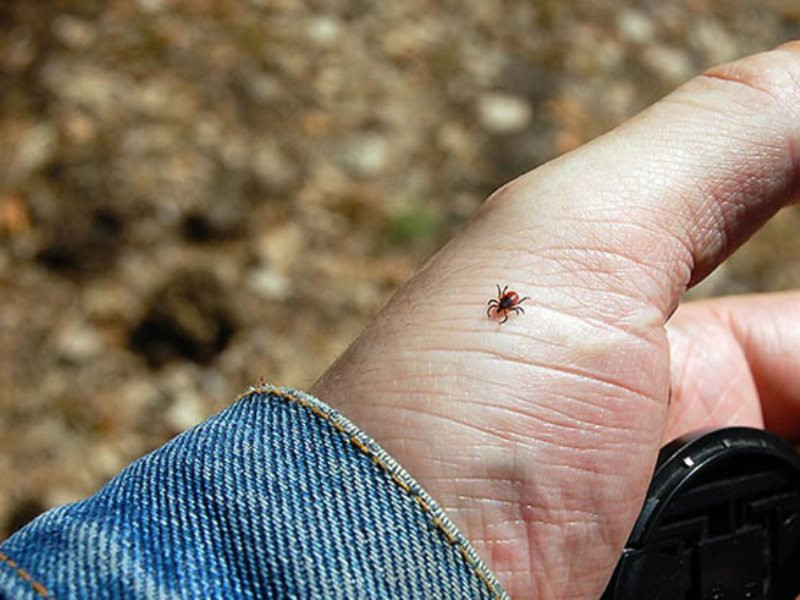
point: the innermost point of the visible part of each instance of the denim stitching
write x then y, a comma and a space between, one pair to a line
450, 538
25, 576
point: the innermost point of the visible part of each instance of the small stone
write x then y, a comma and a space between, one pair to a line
455, 139
280, 246
79, 128
716, 44
500, 112
635, 26
14, 215
151, 7
186, 410
105, 460
263, 87
671, 64
324, 31
140, 394
365, 155
78, 342
36, 149
271, 165
269, 284
101, 92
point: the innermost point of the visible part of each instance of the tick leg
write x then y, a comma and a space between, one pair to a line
523, 300
489, 312
504, 290
518, 309
504, 320
499, 293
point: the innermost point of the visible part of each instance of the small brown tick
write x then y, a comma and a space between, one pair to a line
506, 302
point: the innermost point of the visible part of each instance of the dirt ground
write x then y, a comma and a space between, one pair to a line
198, 193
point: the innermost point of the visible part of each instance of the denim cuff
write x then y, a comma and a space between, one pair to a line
278, 496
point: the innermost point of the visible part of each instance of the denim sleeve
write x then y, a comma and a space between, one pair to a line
278, 496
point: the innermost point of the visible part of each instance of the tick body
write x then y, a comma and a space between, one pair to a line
507, 301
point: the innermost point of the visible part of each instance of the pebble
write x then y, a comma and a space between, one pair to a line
671, 64
713, 41
140, 393
79, 128
186, 410
36, 148
500, 112
280, 246
185, 404
105, 460
324, 31
78, 342
455, 139
102, 92
151, 7
365, 155
635, 26
271, 165
269, 284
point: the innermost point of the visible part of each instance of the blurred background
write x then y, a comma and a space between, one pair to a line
197, 193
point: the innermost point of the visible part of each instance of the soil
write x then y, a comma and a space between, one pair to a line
198, 193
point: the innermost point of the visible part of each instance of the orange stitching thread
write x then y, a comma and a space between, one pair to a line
377, 460
401, 483
39, 588
359, 444
24, 575
483, 578
450, 537
422, 503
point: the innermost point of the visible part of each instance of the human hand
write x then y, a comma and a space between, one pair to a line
539, 436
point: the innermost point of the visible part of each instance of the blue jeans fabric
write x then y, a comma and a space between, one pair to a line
279, 496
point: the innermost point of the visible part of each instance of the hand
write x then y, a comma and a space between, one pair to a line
538, 436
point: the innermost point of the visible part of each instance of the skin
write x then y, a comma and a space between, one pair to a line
539, 438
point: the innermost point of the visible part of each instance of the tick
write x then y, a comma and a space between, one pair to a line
507, 301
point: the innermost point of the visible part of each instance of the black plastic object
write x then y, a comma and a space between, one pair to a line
721, 521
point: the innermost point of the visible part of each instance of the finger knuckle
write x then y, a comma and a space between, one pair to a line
772, 77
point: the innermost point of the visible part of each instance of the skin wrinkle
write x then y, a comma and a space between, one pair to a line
582, 403
501, 357
569, 418
560, 255
478, 328
750, 81
713, 346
